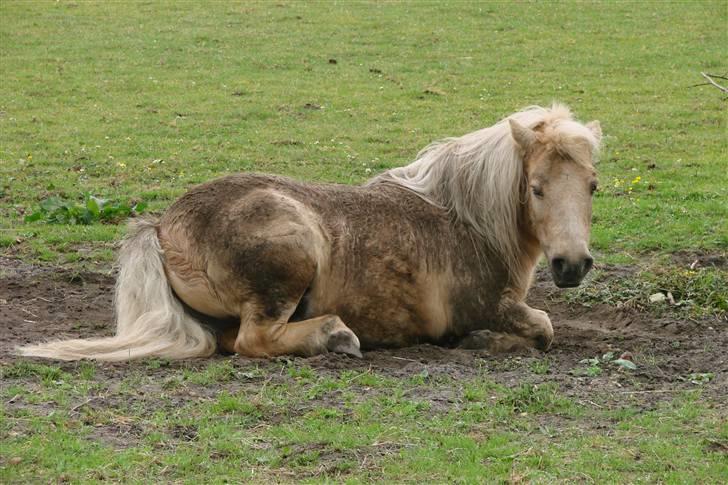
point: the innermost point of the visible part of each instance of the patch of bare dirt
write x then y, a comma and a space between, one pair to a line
699, 259
38, 303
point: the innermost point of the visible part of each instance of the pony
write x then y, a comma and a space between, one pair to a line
442, 250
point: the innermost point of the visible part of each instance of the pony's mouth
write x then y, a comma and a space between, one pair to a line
567, 284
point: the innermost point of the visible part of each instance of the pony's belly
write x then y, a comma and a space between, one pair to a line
393, 320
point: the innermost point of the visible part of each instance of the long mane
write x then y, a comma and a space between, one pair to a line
479, 177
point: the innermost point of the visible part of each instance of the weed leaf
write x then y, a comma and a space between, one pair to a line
627, 364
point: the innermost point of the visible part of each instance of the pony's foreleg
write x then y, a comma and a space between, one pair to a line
529, 323
495, 342
308, 337
520, 326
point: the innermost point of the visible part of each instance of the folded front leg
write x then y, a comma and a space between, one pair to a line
519, 326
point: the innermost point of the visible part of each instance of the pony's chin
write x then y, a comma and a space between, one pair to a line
567, 284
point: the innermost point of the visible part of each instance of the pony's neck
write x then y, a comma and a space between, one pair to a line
477, 179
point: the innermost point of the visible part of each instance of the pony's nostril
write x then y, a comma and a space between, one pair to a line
588, 263
558, 264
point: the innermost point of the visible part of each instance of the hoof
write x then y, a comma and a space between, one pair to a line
543, 342
480, 340
344, 342
496, 342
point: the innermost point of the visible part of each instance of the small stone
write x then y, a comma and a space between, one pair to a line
15, 460
627, 356
657, 298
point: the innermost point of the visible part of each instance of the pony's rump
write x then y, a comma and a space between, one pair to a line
151, 322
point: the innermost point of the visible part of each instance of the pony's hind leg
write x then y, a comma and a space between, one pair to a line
269, 260
307, 337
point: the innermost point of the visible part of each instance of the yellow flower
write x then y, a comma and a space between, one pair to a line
636, 180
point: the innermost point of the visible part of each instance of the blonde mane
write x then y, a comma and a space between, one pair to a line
478, 177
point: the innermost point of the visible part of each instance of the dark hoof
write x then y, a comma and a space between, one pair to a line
543, 343
344, 342
480, 340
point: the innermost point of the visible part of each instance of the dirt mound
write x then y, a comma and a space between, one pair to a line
39, 303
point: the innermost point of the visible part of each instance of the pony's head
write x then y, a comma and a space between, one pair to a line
558, 183
528, 177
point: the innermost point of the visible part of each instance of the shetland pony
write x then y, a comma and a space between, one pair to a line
442, 250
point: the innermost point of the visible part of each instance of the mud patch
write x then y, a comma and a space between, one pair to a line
672, 354
698, 259
40, 303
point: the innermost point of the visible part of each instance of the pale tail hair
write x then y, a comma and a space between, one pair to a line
479, 177
150, 320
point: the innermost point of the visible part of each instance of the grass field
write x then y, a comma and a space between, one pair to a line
136, 102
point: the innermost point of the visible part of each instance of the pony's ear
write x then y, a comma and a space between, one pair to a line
525, 137
596, 129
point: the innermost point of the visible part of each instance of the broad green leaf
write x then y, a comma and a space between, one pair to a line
93, 206
99, 201
51, 203
35, 216
627, 364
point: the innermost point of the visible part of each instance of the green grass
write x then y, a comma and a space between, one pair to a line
141, 103
138, 102
281, 432
699, 292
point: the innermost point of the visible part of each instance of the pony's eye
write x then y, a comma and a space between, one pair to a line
537, 191
593, 187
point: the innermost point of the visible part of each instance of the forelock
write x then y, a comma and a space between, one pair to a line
571, 139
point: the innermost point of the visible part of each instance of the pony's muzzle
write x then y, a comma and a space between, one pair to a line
568, 273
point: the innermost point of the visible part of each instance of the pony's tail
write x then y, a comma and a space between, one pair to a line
150, 320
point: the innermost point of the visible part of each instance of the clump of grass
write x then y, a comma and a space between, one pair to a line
700, 292
594, 366
213, 373
56, 210
541, 366
704, 291
534, 398
25, 369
